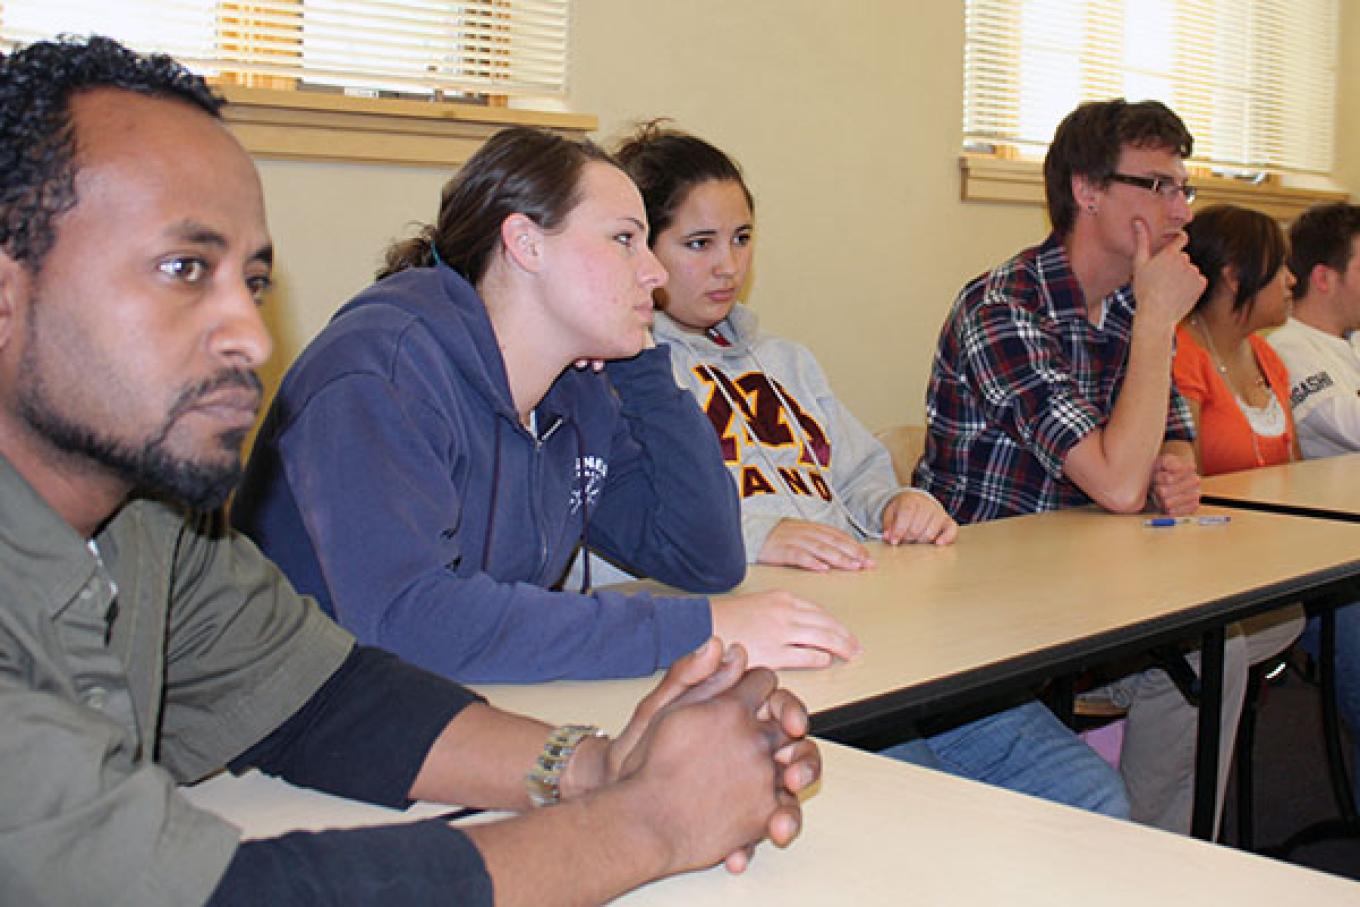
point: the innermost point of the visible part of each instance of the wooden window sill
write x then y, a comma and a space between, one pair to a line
302, 125
986, 178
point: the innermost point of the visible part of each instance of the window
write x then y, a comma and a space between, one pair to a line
1254, 80
425, 48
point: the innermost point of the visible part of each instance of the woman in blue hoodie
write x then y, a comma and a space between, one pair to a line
439, 451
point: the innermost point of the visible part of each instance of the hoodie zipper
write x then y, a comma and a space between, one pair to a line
540, 520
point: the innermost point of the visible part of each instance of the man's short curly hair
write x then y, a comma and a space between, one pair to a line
37, 136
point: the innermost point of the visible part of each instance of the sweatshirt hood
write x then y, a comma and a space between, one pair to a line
741, 327
429, 295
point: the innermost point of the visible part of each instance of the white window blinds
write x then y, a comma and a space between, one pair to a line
1254, 80
496, 47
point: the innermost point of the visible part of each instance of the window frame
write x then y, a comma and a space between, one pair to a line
274, 117
996, 179
1003, 175
317, 126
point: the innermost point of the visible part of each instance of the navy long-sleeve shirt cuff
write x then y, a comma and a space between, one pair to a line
365, 733
422, 863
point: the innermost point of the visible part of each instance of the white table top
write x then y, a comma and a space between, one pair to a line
1005, 591
881, 832
265, 807
1329, 486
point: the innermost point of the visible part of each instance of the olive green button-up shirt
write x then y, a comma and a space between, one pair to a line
149, 658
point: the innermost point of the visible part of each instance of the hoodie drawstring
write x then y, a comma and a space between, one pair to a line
585, 509
495, 489
742, 411
811, 449
580, 485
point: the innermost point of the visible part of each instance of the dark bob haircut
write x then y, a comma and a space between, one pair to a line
1249, 242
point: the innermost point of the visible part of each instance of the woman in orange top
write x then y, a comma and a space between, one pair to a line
1235, 384
1237, 387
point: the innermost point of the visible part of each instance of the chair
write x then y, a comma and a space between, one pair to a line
1347, 824
905, 443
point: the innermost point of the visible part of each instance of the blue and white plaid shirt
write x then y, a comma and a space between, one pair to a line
1020, 376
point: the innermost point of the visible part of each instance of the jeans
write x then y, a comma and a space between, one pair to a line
1023, 749
1158, 759
1347, 659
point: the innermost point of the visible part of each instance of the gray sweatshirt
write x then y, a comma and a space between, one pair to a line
792, 448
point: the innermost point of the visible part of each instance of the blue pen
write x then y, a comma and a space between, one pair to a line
1166, 522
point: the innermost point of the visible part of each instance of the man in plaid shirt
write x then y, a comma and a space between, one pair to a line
1051, 387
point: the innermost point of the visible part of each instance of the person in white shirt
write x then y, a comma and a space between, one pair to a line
1317, 347
1316, 343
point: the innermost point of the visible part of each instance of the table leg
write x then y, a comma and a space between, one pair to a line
1331, 724
1207, 745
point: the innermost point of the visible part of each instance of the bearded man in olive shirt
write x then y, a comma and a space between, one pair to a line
141, 646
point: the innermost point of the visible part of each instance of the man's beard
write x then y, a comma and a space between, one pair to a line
151, 468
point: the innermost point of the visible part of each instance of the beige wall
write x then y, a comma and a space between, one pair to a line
330, 223
848, 129
1347, 170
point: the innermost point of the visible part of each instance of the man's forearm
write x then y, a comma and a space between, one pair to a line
1138, 421
583, 851
1114, 463
1183, 449
482, 758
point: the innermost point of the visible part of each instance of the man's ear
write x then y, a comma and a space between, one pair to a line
523, 242
15, 284
1321, 279
1086, 192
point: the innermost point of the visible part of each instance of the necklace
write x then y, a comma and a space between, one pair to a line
1261, 382
1219, 365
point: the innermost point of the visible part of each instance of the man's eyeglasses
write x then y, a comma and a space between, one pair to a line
1164, 187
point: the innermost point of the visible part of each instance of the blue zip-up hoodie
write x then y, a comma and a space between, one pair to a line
393, 481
